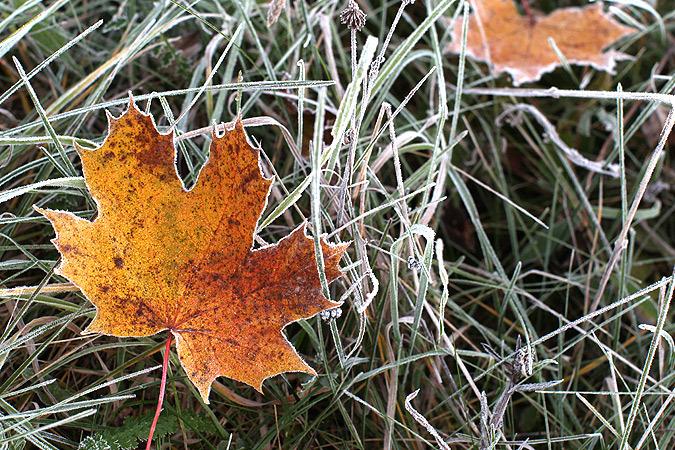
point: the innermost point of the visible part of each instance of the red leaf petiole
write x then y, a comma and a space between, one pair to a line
162, 390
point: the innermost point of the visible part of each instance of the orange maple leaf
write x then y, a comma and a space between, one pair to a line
520, 46
159, 257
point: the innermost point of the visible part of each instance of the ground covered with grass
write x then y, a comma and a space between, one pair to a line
509, 278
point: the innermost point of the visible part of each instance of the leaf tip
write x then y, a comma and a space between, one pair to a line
132, 102
112, 120
39, 210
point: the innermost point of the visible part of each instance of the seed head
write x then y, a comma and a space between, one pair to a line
353, 16
414, 264
330, 314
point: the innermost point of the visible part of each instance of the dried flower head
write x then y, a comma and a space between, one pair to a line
276, 7
353, 16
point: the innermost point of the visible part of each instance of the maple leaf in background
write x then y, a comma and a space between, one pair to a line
519, 45
158, 257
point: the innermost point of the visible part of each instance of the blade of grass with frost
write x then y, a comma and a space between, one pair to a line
640, 294
146, 34
73, 182
26, 416
641, 189
58, 423
69, 404
54, 56
245, 15
440, 141
421, 297
665, 298
316, 213
423, 421
621, 149
68, 169
301, 104
659, 415
641, 4
27, 389
11, 40
445, 278
36, 440
572, 324
349, 102
556, 93
288, 201
4, 23
34, 355
243, 86
33, 140
9, 344
501, 196
394, 258
207, 82
407, 45
564, 62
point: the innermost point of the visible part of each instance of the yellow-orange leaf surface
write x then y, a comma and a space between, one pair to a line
512, 43
158, 257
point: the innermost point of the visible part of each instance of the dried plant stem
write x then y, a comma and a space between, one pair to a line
566, 93
353, 136
162, 390
355, 122
602, 167
397, 18
622, 240
352, 35
419, 418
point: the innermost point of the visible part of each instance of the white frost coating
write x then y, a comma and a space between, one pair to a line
423, 421
663, 334
572, 154
609, 59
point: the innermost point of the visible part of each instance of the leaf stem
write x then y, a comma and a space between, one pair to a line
162, 390
528, 11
